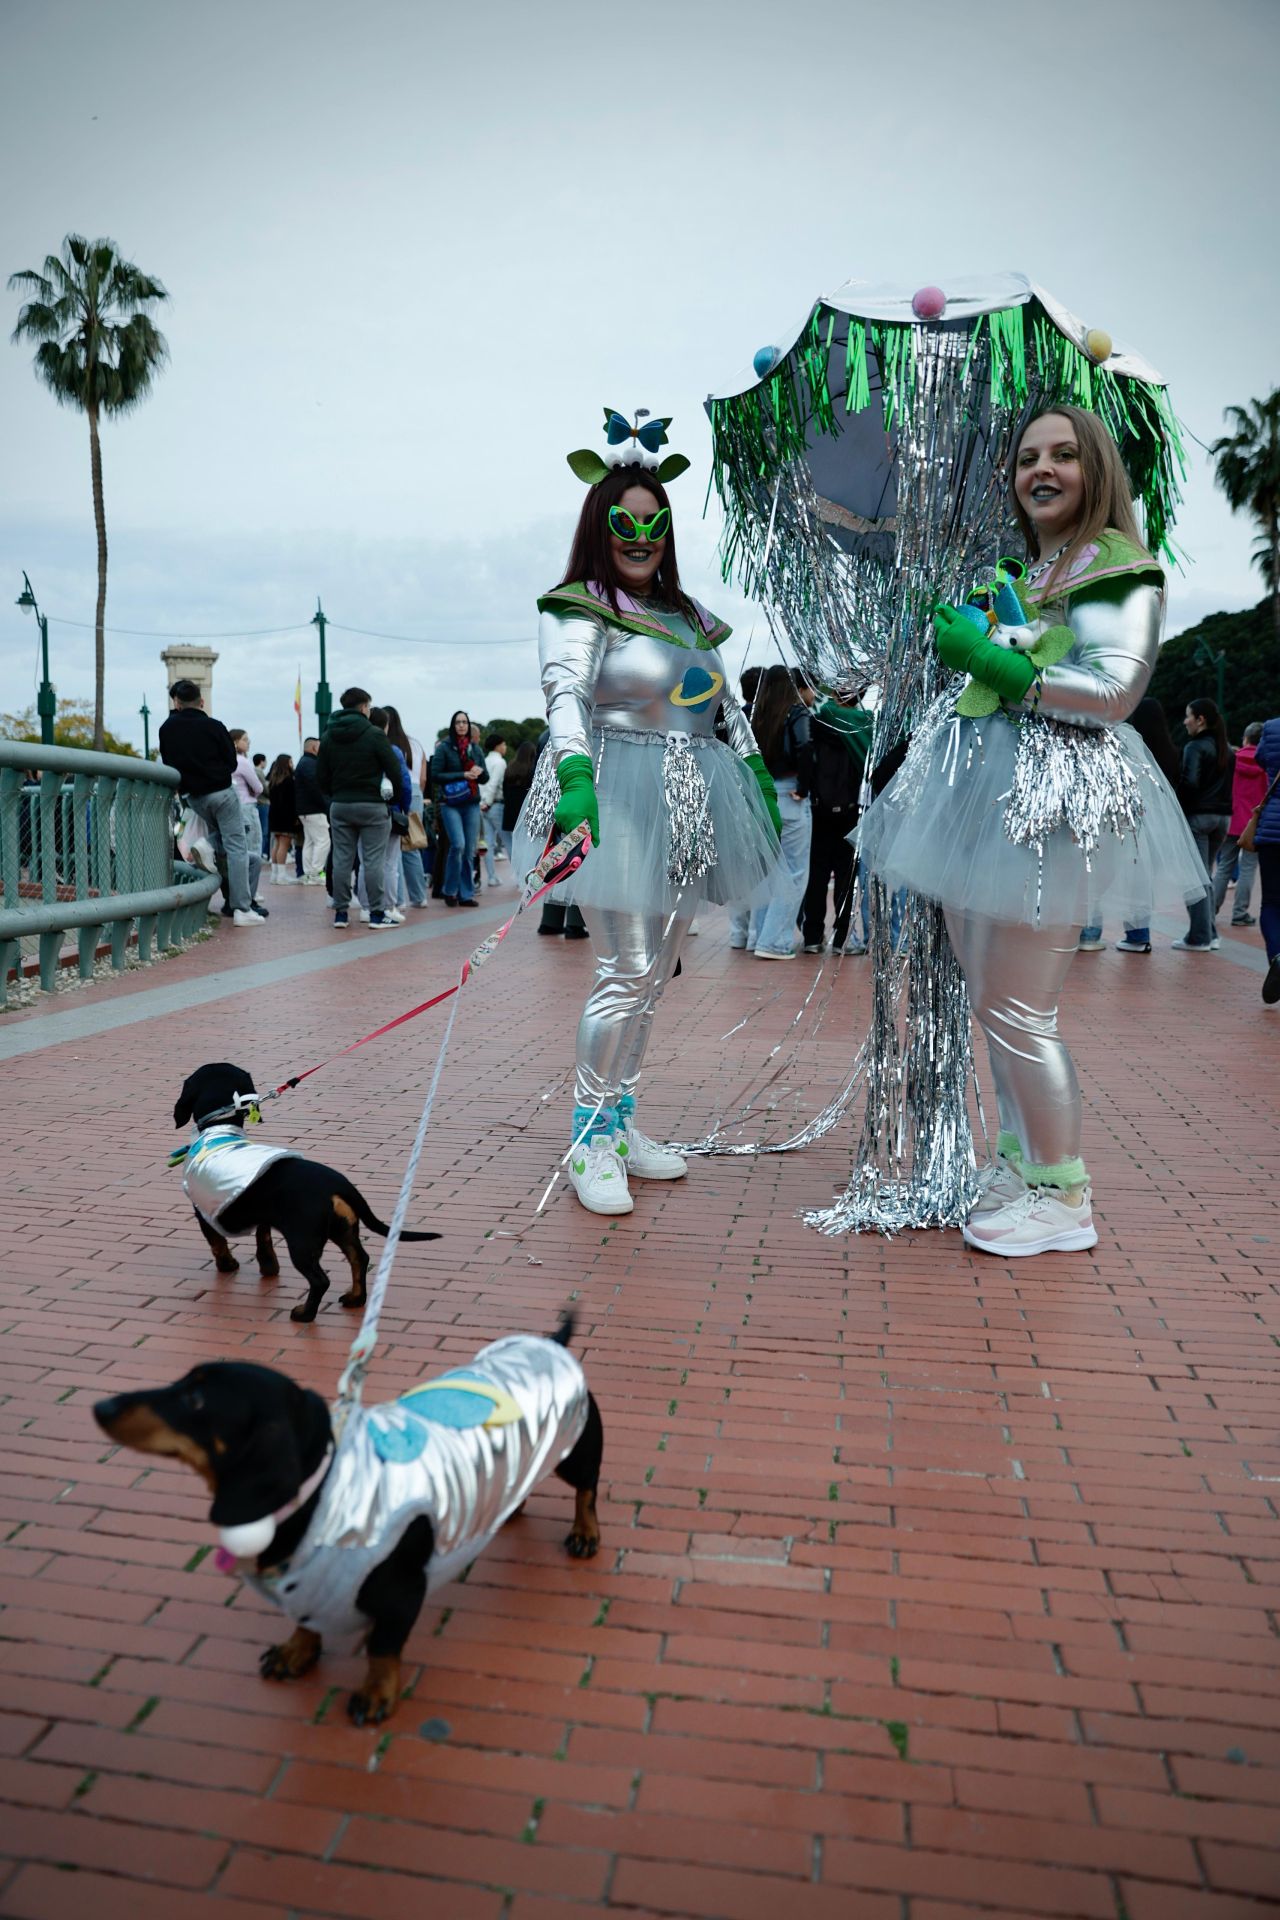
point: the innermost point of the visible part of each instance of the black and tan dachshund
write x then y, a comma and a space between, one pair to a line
307, 1203
257, 1439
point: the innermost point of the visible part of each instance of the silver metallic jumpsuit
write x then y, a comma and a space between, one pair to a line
602, 681
1015, 973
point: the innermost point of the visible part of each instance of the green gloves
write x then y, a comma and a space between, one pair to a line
577, 796
962, 645
768, 792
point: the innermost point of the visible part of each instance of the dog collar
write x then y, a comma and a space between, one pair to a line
253, 1537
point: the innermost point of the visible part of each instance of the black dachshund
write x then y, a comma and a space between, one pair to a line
347, 1538
246, 1190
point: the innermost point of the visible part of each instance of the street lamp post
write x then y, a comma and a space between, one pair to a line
145, 712
324, 699
1218, 661
46, 699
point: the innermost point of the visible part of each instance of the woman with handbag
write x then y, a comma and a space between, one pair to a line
458, 772
1261, 835
414, 839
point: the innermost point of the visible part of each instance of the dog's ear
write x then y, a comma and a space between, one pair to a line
260, 1478
182, 1109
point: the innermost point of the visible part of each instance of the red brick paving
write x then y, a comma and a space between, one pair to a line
931, 1587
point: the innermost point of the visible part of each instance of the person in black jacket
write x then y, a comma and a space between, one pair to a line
1208, 766
313, 813
200, 751
354, 761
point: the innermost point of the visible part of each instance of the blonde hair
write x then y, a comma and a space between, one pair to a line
1107, 495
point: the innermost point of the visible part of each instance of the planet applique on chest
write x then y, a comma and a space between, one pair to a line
697, 688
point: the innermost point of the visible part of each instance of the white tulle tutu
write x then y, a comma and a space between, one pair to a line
628, 871
939, 828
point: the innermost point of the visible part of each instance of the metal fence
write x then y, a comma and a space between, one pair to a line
87, 845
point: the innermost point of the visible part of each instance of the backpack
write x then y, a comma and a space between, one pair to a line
837, 775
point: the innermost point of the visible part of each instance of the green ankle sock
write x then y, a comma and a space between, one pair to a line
1009, 1147
1063, 1173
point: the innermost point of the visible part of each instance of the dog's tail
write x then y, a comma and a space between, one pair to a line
368, 1218
563, 1335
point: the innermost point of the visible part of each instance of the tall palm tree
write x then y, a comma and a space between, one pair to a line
1248, 472
97, 350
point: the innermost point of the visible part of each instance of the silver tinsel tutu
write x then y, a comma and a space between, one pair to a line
1032, 821
678, 819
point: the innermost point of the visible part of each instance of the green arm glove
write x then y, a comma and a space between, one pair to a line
577, 796
962, 646
768, 792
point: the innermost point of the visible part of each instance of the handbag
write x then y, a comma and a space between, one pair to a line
414, 837
456, 793
1248, 839
399, 820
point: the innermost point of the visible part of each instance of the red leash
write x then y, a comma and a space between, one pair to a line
558, 863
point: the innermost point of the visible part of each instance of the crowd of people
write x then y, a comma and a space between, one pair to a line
366, 813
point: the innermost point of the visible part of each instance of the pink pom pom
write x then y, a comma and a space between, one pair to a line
929, 303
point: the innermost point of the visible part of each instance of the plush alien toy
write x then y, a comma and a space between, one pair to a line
997, 618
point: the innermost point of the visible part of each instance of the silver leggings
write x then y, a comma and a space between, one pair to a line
1015, 976
633, 964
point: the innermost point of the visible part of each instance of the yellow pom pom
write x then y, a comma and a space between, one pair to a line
1097, 344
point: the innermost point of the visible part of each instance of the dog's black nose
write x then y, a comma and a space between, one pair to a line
105, 1411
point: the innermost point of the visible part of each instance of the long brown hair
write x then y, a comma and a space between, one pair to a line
397, 735
591, 556
281, 769
776, 696
1107, 496
1209, 712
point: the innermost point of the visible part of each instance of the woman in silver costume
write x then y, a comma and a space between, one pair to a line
633, 684
1029, 809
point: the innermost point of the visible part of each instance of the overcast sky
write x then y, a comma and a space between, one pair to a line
412, 249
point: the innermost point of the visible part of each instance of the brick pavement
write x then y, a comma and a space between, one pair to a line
931, 1587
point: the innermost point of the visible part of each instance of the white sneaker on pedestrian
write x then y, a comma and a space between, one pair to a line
1196, 946
815, 946
599, 1177
246, 917
394, 916
1132, 946
1094, 944
647, 1159
1039, 1221
854, 948
999, 1184
767, 953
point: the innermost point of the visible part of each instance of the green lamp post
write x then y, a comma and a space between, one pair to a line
324, 699
145, 712
46, 699
1218, 661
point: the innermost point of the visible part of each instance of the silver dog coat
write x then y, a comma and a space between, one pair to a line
221, 1165
462, 1451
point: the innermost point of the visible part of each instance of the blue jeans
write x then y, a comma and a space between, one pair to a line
415, 878
462, 829
774, 926
1269, 913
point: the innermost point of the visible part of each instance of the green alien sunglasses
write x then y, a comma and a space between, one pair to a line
626, 527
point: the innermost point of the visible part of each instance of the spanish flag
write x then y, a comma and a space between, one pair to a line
297, 704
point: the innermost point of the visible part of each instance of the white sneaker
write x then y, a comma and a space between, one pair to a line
394, 916
854, 947
646, 1159
599, 1177
1095, 944
246, 917
1037, 1222
815, 946
1196, 946
999, 1184
767, 953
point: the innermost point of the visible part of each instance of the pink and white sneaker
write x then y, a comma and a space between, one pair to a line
999, 1185
1038, 1221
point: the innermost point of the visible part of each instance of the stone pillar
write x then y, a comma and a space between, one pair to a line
189, 662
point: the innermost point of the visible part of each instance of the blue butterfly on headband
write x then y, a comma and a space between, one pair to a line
651, 436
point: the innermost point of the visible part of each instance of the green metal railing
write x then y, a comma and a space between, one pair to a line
87, 844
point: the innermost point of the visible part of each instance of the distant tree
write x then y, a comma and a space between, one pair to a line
1248, 472
96, 349
74, 726
1252, 668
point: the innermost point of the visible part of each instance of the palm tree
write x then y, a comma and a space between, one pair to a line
97, 350
1248, 472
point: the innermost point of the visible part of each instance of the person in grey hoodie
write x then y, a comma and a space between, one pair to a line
357, 772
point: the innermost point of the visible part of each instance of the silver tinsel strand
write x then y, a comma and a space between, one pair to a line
691, 834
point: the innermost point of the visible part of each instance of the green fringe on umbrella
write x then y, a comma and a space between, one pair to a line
758, 433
